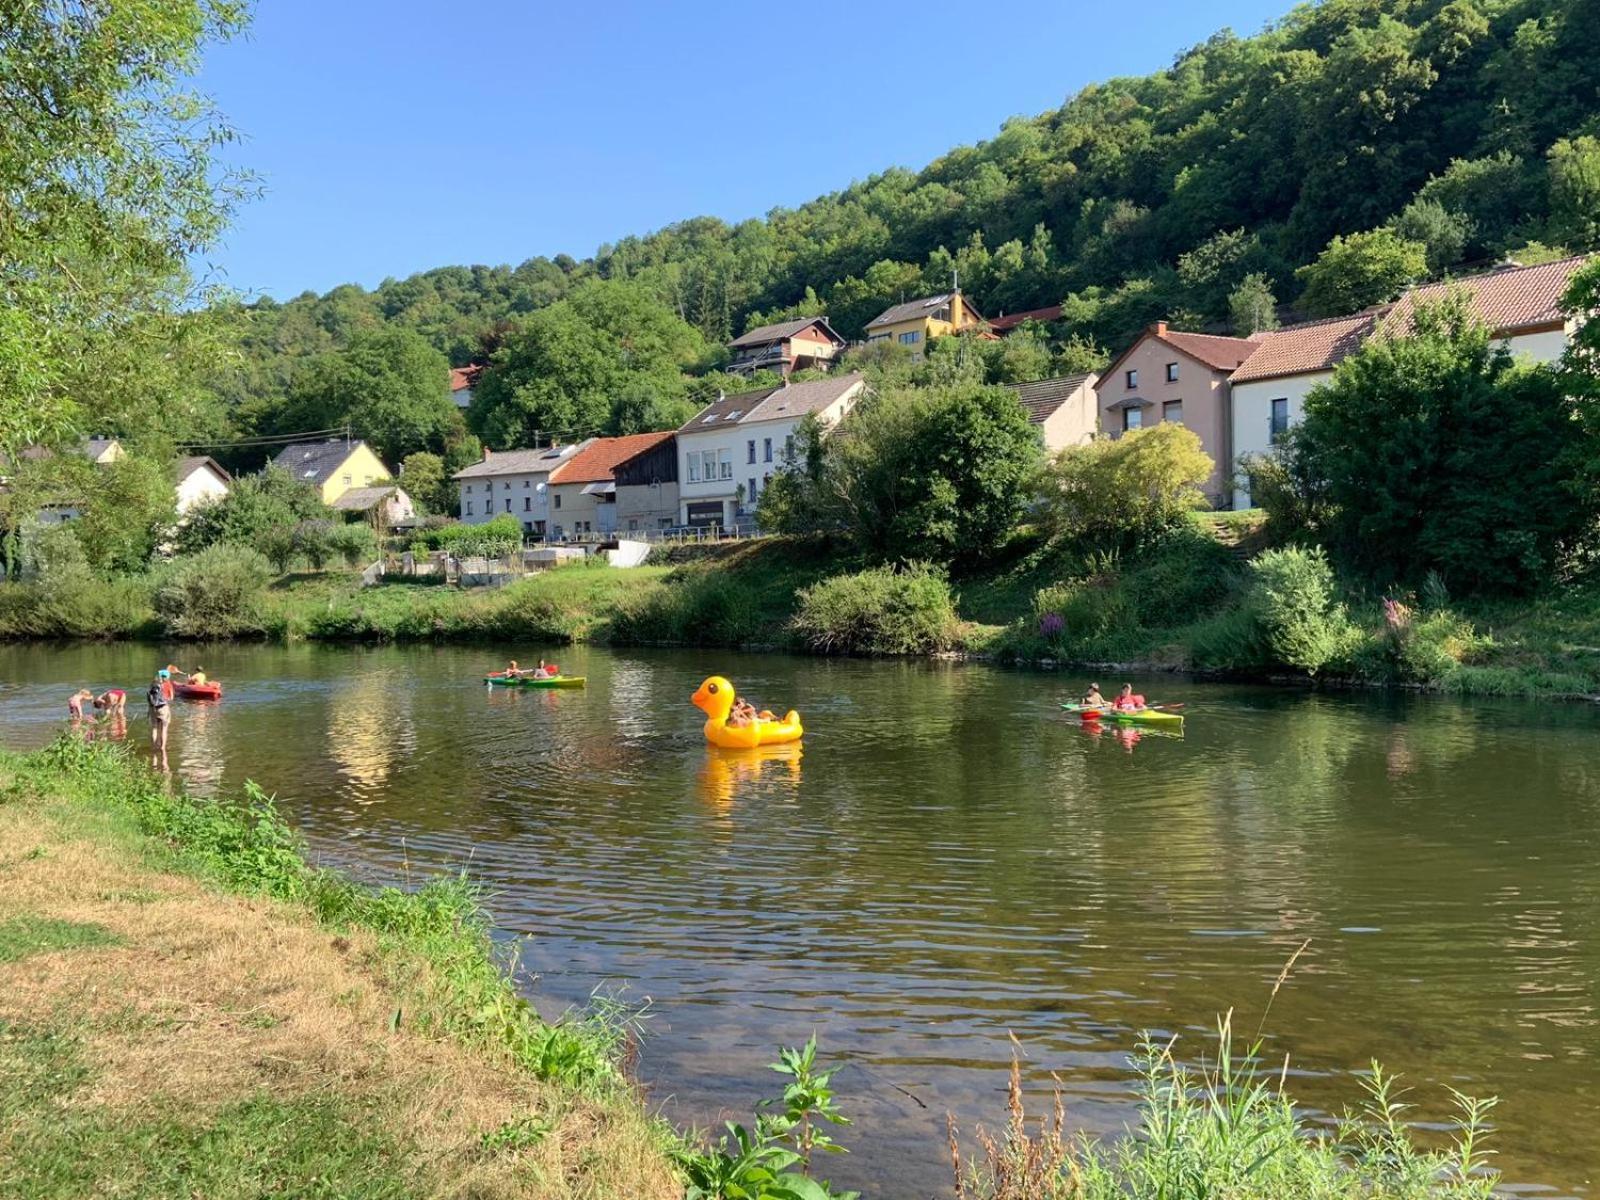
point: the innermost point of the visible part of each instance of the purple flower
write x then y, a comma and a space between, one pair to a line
1051, 625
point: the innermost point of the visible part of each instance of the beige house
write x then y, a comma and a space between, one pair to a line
1522, 305
785, 347
1065, 410
915, 323
1167, 375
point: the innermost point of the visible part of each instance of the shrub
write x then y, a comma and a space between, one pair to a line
1081, 609
707, 607
215, 593
1182, 578
879, 611
311, 542
1122, 492
1292, 596
355, 543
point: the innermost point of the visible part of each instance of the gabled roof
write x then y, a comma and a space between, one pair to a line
516, 462
1210, 350
798, 399
462, 378
725, 409
364, 499
1507, 299
1308, 347
783, 329
912, 310
186, 467
1043, 397
316, 462
1006, 322
597, 458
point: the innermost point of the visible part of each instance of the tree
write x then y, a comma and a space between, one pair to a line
422, 475
111, 184
1115, 493
1442, 233
1479, 472
582, 366
1575, 191
940, 475
1360, 270
127, 507
1252, 308
388, 385
255, 506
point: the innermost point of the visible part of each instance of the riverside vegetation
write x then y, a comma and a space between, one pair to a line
379, 1050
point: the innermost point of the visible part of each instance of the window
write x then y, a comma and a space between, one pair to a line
910, 339
469, 508
877, 337
466, 490
694, 468
1132, 418
527, 527
525, 483
751, 447
725, 464
558, 499
1132, 378
750, 490
766, 450
632, 524
508, 503
708, 464
1172, 411
1172, 372
366, 481
527, 503
1280, 419
347, 481
506, 485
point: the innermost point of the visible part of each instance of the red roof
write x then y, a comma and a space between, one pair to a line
1223, 353
1508, 299
465, 377
1313, 346
600, 456
1009, 321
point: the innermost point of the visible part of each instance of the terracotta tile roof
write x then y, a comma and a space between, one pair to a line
465, 377
1009, 321
783, 329
1043, 397
1221, 353
1312, 346
1507, 299
598, 457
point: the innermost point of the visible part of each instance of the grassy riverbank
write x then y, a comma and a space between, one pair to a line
188, 1008
1186, 603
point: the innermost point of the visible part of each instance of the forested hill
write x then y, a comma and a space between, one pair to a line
1466, 125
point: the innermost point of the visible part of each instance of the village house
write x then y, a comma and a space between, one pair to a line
1010, 322
332, 467
1522, 305
1168, 375
462, 381
786, 347
511, 482
384, 505
731, 448
915, 323
1065, 410
647, 488
583, 489
199, 480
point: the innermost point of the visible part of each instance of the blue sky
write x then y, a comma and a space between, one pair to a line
396, 136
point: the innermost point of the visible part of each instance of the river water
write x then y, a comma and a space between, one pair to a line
948, 861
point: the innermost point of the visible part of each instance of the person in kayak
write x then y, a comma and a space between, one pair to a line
1093, 699
1128, 701
545, 671
513, 671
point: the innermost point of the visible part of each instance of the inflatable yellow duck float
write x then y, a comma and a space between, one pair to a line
715, 699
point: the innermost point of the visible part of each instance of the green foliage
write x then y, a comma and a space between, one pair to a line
215, 593
354, 542
1118, 492
879, 611
1361, 270
940, 475
586, 365
1444, 234
1478, 472
696, 607
128, 506
1575, 191
757, 1163
1292, 594
388, 385
26, 935
1252, 308
1490, 196
268, 504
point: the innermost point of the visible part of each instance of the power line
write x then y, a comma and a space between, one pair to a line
268, 439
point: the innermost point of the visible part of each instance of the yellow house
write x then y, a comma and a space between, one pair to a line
917, 322
333, 467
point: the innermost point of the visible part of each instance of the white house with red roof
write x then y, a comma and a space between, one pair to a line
462, 381
1522, 305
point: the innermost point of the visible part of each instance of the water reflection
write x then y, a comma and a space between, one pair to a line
953, 863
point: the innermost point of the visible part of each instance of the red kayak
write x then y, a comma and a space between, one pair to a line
198, 691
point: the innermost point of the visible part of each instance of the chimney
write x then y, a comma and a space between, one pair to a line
486, 453
1161, 329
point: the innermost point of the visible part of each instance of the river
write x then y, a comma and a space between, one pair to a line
948, 861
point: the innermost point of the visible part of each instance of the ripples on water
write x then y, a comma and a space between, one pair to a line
947, 860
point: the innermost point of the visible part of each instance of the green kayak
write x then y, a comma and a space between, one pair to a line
1144, 716
556, 681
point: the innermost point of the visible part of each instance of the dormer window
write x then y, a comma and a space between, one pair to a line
734, 415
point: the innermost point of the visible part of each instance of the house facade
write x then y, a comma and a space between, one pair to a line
786, 347
1065, 411
511, 482
1522, 305
199, 480
462, 381
915, 323
583, 489
647, 488
332, 467
731, 448
384, 505
1168, 375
